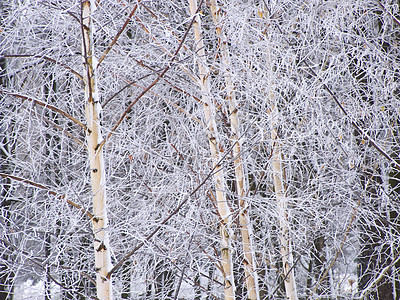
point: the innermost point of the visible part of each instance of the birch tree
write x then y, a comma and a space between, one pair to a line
95, 149
215, 149
7, 274
253, 144
241, 188
280, 188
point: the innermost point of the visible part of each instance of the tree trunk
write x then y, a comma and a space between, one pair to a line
278, 172
47, 253
244, 220
394, 183
375, 253
7, 275
318, 261
97, 171
219, 176
126, 280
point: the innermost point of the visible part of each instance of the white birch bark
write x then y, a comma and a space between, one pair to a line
97, 171
219, 176
244, 220
279, 177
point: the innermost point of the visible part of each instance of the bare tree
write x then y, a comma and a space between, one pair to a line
240, 176
224, 210
97, 166
246, 148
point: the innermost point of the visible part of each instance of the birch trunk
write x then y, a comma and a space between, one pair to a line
219, 177
97, 172
244, 220
279, 177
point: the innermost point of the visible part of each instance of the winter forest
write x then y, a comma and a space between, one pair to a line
200, 149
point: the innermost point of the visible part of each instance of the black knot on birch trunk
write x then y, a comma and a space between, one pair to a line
102, 247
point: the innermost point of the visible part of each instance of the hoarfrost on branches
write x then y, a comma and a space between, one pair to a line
286, 113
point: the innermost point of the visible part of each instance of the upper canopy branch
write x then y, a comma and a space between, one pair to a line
46, 105
118, 34
161, 75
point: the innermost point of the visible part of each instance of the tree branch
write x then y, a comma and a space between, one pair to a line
41, 266
389, 13
45, 105
49, 59
174, 212
118, 34
42, 187
151, 85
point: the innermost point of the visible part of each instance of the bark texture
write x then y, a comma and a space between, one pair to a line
97, 172
244, 220
219, 177
278, 173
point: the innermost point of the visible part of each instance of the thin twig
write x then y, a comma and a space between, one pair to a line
123, 88
64, 131
367, 290
166, 100
389, 13
284, 278
353, 123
